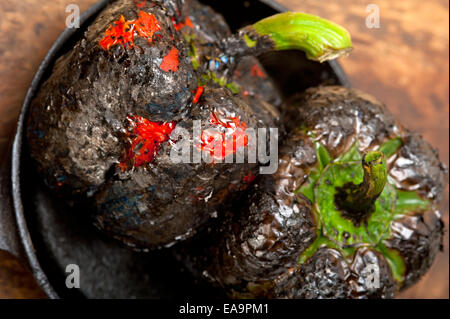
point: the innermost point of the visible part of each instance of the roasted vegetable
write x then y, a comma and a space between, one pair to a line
103, 124
352, 211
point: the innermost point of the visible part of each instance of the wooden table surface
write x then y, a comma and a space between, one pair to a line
404, 63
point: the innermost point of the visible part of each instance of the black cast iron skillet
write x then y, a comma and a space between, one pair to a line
47, 235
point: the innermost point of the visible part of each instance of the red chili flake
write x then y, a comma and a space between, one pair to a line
144, 3
220, 144
147, 25
256, 71
170, 62
198, 94
146, 137
249, 178
140, 3
186, 23
120, 32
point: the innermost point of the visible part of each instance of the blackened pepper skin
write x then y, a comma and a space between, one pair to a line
246, 76
101, 125
90, 125
339, 117
260, 238
167, 200
329, 130
141, 70
329, 275
77, 116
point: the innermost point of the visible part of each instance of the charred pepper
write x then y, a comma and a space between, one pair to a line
352, 211
102, 125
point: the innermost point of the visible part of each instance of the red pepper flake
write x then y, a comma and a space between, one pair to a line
186, 23
220, 144
256, 71
198, 94
146, 137
147, 25
120, 32
140, 3
249, 178
170, 62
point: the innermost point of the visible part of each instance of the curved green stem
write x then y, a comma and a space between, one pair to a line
319, 38
375, 174
358, 200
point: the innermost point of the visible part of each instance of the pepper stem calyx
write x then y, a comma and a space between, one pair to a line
357, 201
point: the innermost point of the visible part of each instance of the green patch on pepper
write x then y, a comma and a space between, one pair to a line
364, 179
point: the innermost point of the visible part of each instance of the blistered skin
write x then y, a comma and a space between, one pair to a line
240, 260
339, 117
418, 238
260, 245
78, 114
262, 236
328, 275
257, 88
417, 167
165, 201
100, 126
211, 26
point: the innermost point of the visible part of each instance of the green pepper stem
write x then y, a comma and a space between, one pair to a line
319, 38
358, 200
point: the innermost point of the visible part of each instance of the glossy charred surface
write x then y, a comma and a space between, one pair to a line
103, 124
340, 117
329, 275
78, 114
262, 236
201, 26
417, 167
418, 238
166, 201
331, 128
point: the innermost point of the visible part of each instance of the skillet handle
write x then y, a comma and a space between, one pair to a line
9, 236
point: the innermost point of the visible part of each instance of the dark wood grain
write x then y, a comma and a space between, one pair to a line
16, 280
404, 63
